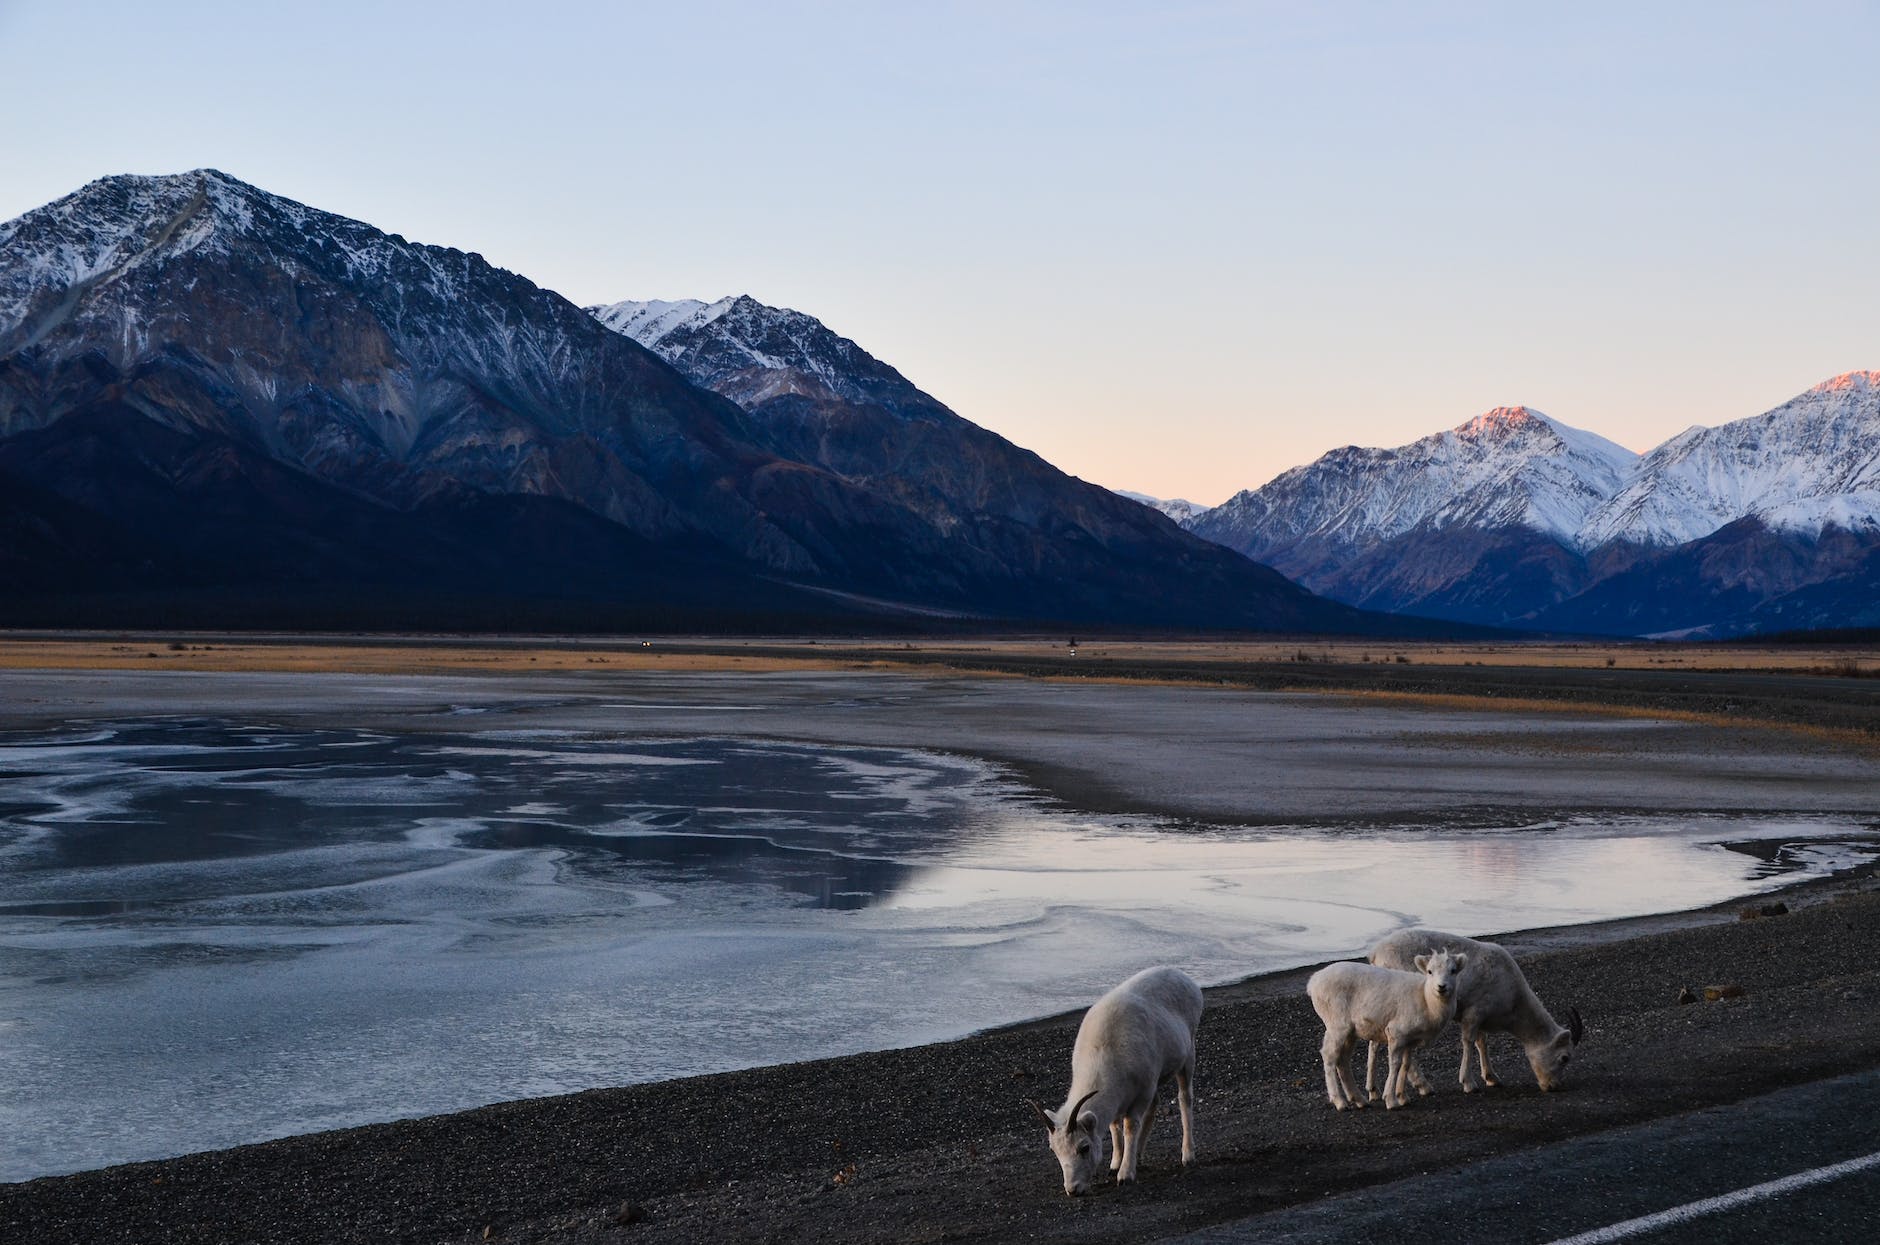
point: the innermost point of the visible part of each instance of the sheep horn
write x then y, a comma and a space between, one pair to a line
1071, 1117
1050, 1125
1575, 1025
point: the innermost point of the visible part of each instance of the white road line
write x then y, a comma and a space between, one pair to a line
1724, 1201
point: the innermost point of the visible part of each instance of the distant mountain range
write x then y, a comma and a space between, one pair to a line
1766, 523
218, 406
1177, 508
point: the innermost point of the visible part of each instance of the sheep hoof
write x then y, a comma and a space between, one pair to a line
1468, 1087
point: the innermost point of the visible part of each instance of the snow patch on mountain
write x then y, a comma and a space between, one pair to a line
753, 334
752, 352
653, 321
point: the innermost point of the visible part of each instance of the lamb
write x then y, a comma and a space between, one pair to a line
1492, 997
1131, 1039
1403, 1010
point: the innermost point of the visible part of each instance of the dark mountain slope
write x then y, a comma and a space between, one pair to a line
1744, 577
997, 510
243, 539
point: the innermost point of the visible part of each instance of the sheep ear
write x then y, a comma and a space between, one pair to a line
1575, 1025
1050, 1125
1423, 963
1460, 961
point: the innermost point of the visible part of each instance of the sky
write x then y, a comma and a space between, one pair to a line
1172, 247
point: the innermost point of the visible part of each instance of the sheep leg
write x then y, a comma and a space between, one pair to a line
1142, 1130
1185, 1098
1481, 1057
1132, 1142
1332, 1053
1394, 1095
1116, 1143
1345, 1080
1370, 1069
1474, 1037
1416, 1073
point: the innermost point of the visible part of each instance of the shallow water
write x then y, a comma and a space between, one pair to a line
216, 932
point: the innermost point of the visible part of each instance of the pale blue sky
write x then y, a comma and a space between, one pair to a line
1175, 247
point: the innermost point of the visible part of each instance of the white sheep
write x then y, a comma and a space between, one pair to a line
1493, 996
1130, 1040
1401, 1009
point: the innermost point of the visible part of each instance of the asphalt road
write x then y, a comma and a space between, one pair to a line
1666, 1172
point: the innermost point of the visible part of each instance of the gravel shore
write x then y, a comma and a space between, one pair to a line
934, 1144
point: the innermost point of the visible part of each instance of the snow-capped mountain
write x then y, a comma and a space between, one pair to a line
1509, 467
1809, 464
1179, 509
1514, 518
1474, 523
208, 389
1765, 523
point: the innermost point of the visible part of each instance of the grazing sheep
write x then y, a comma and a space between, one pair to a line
1402, 1010
1130, 1039
1493, 996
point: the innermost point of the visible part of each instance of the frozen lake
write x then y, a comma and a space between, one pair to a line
216, 930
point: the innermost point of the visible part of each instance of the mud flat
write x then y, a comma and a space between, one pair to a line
1219, 751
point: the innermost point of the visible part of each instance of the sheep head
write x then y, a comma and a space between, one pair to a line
1442, 968
1077, 1142
1550, 1060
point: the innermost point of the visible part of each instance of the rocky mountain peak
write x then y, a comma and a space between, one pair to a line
1859, 382
1503, 419
1503, 425
82, 253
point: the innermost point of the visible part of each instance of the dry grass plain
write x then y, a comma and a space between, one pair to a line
512, 655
